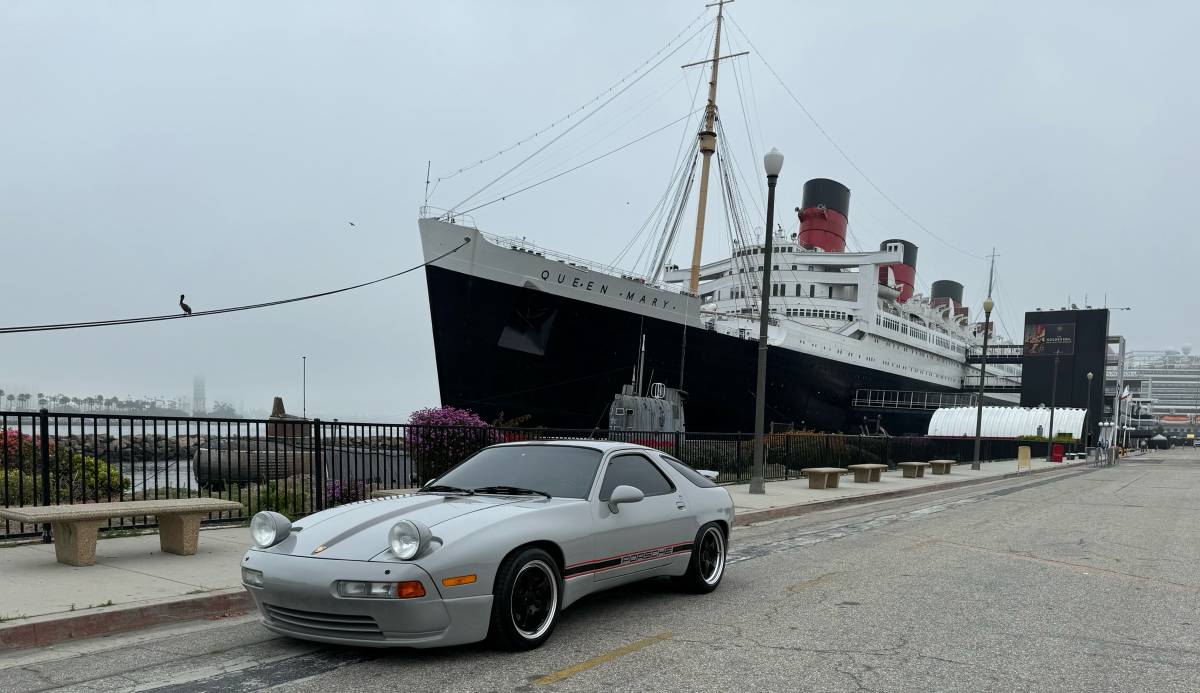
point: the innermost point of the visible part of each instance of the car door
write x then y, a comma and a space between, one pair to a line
644, 535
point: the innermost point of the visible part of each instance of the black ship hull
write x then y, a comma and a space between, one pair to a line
513, 351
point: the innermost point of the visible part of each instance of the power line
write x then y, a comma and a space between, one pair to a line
843, 152
218, 311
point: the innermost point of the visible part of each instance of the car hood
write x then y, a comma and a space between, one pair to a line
359, 531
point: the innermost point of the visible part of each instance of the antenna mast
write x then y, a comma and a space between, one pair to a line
708, 145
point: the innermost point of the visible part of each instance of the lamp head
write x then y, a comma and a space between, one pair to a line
1089, 375
988, 304
773, 162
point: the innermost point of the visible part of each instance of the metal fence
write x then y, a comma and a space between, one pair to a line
298, 466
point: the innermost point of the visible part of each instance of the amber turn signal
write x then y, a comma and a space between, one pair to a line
410, 589
460, 580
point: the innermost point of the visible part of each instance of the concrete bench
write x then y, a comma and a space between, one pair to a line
822, 477
866, 473
941, 466
75, 526
913, 470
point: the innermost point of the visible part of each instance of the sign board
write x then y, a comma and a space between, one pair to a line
1050, 340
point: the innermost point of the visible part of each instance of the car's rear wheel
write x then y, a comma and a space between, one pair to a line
707, 565
526, 601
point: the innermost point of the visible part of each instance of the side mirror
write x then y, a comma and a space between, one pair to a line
624, 494
708, 474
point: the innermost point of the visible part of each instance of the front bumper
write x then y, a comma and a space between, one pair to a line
298, 599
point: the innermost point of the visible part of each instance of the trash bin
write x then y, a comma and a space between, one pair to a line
1056, 453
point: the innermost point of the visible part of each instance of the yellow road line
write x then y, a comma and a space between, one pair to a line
602, 659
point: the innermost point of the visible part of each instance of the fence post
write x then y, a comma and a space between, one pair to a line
319, 465
44, 432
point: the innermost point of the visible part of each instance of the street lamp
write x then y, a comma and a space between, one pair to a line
303, 387
987, 329
773, 163
1087, 413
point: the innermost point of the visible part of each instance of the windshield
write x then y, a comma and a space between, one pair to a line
560, 470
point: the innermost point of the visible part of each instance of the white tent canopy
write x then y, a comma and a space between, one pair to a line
1005, 422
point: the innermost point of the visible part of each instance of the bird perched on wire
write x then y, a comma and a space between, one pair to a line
351, 223
186, 308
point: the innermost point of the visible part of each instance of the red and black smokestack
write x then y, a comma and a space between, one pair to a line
946, 292
824, 213
904, 271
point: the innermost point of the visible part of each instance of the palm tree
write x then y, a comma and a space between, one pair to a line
10, 400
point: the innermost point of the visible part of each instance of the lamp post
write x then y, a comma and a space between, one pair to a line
1087, 413
987, 329
773, 163
303, 387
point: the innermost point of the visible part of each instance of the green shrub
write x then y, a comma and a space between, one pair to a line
288, 497
73, 479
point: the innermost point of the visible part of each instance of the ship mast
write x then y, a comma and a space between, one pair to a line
708, 142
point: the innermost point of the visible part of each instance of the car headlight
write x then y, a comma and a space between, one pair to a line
408, 538
268, 528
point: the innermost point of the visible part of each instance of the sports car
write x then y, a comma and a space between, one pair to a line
493, 549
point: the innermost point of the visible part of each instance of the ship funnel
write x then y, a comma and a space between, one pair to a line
824, 214
946, 292
905, 271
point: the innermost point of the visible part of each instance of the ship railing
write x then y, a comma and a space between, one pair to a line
447, 215
910, 399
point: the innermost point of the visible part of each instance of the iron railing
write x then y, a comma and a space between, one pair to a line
298, 466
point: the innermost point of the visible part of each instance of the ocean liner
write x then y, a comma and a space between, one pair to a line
522, 330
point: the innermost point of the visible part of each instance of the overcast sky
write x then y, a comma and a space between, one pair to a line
221, 150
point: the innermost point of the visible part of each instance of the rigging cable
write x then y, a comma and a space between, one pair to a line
576, 168
578, 110
218, 311
579, 122
843, 152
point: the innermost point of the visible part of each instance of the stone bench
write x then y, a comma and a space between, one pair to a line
941, 466
866, 473
822, 477
75, 526
913, 470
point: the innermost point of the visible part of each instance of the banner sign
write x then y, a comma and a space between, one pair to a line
1050, 340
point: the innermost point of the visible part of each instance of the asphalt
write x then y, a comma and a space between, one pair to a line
1083, 580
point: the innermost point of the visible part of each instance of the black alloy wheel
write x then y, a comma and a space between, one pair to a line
526, 600
707, 565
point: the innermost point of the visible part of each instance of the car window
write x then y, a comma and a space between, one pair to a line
560, 470
635, 471
688, 473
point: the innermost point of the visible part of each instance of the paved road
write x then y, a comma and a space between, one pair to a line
1086, 580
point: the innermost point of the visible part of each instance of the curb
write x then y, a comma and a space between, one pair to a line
55, 628
754, 516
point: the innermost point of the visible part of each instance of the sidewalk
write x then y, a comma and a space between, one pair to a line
133, 585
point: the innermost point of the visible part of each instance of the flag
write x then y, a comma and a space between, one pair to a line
1125, 393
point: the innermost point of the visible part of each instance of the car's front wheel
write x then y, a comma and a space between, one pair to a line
707, 566
526, 602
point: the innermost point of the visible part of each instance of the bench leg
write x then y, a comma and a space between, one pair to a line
875, 475
75, 542
179, 534
816, 481
832, 480
920, 472
862, 476
910, 473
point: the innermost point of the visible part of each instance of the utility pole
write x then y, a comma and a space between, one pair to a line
304, 387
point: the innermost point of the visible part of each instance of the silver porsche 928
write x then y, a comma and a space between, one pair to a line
493, 549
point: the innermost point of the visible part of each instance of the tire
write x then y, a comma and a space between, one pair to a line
526, 600
707, 566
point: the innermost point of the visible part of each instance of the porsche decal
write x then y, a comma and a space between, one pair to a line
640, 556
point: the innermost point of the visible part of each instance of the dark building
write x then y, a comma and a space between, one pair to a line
1077, 340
